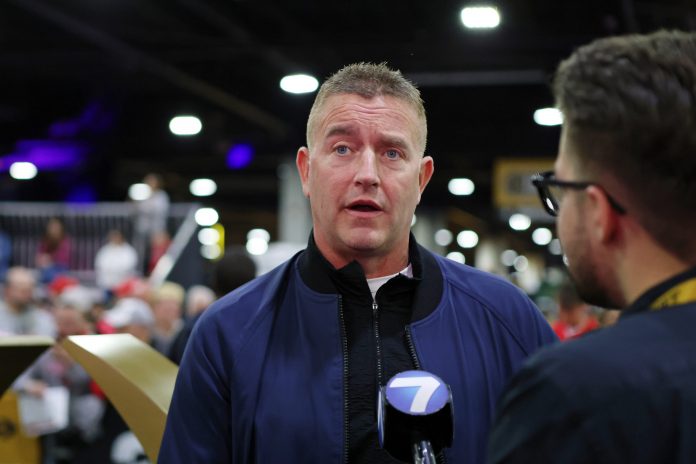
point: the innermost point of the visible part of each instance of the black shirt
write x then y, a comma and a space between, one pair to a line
376, 345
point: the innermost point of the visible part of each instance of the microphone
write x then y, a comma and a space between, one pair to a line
414, 416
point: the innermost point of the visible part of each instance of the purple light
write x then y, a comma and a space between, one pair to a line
83, 194
239, 156
95, 118
46, 155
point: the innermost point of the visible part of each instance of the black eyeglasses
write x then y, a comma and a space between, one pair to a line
551, 191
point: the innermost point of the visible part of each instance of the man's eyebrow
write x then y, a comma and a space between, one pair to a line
396, 141
341, 129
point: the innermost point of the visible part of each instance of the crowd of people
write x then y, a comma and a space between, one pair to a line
118, 301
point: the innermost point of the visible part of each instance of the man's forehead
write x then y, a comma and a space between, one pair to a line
337, 114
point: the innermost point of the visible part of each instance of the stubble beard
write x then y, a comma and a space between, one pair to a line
590, 275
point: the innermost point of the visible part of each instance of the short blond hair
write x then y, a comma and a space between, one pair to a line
368, 80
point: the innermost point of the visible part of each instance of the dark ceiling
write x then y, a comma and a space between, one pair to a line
106, 76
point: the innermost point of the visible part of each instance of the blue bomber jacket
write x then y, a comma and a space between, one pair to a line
263, 377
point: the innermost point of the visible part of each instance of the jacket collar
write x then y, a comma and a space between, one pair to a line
320, 275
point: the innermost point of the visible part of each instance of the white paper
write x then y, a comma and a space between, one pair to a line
45, 414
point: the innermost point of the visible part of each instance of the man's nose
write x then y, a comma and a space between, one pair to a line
367, 170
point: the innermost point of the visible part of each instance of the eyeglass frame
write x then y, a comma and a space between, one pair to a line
544, 179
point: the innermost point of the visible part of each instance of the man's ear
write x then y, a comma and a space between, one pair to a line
604, 219
302, 162
427, 167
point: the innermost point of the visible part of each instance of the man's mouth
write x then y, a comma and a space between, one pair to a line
364, 207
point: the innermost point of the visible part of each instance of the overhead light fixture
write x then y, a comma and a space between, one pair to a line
461, 186
202, 187
185, 125
139, 192
299, 83
520, 221
542, 236
256, 246
457, 256
467, 239
548, 117
443, 237
23, 170
260, 234
480, 17
208, 236
206, 217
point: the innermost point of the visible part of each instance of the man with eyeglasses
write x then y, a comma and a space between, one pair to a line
624, 193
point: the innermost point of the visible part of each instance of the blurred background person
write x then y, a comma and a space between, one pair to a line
115, 261
133, 316
233, 270
18, 313
158, 246
57, 369
151, 217
167, 308
575, 317
53, 253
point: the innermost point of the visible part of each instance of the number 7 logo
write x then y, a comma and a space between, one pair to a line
426, 388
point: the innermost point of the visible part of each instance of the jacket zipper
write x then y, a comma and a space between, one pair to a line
378, 344
441, 458
344, 342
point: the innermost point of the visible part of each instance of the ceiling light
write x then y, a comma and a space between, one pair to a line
208, 236
211, 251
521, 263
548, 117
467, 239
185, 125
520, 222
260, 234
139, 192
299, 83
507, 257
202, 187
457, 256
256, 246
461, 186
443, 237
206, 217
480, 17
22, 170
542, 236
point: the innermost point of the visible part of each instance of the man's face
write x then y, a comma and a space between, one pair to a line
589, 269
364, 175
69, 321
19, 290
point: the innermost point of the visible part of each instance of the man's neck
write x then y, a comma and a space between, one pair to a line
648, 266
373, 264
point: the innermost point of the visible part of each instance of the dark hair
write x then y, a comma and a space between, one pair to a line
629, 105
233, 270
368, 80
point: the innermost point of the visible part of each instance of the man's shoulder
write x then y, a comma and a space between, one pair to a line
474, 281
253, 299
638, 352
490, 290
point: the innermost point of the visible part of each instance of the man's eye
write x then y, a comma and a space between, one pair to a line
392, 154
342, 150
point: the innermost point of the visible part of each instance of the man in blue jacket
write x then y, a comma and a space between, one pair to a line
286, 369
624, 191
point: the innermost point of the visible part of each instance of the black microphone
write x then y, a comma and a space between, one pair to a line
414, 416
